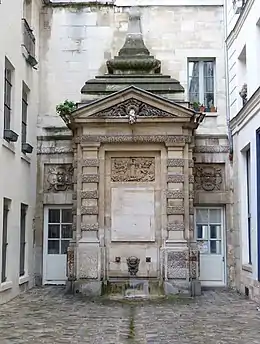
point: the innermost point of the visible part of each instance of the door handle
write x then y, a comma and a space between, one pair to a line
223, 259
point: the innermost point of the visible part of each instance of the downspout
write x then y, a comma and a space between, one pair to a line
230, 140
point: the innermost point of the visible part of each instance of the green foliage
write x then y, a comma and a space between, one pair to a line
66, 108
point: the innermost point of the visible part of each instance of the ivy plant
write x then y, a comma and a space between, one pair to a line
66, 108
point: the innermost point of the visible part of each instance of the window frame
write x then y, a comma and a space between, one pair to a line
60, 223
25, 105
247, 157
8, 91
23, 222
219, 238
201, 61
6, 209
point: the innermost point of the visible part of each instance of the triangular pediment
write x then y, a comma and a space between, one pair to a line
120, 103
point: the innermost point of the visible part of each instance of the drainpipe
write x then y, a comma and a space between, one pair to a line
230, 140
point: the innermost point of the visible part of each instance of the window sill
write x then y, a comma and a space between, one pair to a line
9, 145
25, 158
211, 114
6, 285
247, 267
23, 279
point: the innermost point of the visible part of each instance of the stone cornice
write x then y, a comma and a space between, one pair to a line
133, 138
239, 24
246, 113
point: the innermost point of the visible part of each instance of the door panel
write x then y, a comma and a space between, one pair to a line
209, 232
57, 235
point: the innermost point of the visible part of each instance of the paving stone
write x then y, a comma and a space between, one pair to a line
49, 315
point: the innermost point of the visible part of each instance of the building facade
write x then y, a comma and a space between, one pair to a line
18, 147
243, 21
136, 181
112, 184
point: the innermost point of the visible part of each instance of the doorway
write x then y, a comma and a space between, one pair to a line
211, 241
57, 236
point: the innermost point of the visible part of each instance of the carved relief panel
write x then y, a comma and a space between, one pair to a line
58, 178
209, 177
139, 169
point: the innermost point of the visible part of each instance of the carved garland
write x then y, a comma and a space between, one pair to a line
124, 110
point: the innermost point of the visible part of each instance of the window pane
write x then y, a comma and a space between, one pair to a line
7, 117
215, 216
215, 232
66, 231
202, 232
215, 247
53, 246
199, 232
202, 216
208, 67
54, 215
64, 246
8, 90
54, 231
203, 247
194, 81
66, 216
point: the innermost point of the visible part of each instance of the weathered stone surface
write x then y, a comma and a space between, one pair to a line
215, 317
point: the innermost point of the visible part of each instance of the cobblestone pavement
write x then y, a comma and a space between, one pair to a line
47, 315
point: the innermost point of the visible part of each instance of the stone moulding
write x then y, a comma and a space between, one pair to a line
89, 226
211, 149
90, 178
179, 162
175, 178
171, 226
133, 138
174, 194
54, 150
191, 178
90, 194
178, 210
89, 210
178, 178
90, 163
86, 163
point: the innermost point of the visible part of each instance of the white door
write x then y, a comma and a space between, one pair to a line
57, 235
210, 237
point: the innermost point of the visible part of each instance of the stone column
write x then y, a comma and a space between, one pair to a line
88, 246
175, 194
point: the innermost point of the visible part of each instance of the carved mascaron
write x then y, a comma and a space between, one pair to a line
132, 169
208, 178
59, 178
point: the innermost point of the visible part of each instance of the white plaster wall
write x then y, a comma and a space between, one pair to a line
248, 35
18, 176
245, 136
76, 42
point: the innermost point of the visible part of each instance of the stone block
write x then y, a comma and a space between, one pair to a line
87, 288
195, 287
88, 260
177, 264
172, 287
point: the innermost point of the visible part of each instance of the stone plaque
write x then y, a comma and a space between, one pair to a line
133, 169
132, 214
